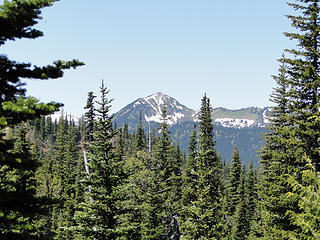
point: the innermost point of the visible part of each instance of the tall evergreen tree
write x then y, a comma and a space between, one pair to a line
295, 128
96, 216
308, 194
162, 202
205, 218
279, 158
65, 169
252, 196
233, 194
241, 225
89, 117
18, 202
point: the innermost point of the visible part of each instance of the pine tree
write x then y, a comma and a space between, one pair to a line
96, 217
162, 202
308, 193
279, 158
234, 182
241, 225
205, 218
89, 117
18, 202
140, 136
294, 124
189, 177
65, 169
251, 194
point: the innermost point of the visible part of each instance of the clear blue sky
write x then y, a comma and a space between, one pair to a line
184, 48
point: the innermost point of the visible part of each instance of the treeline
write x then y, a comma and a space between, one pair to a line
60, 180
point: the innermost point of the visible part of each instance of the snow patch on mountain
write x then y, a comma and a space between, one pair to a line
235, 123
265, 117
176, 111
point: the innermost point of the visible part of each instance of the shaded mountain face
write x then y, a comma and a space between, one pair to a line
150, 109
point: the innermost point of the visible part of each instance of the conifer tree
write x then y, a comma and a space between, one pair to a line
189, 177
96, 216
205, 218
140, 136
241, 225
308, 193
66, 159
251, 195
18, 202
279, 158
294, 124
233, 194
162, 203
89, 117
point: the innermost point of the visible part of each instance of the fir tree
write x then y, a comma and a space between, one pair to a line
251, 194
162, 202
18, 200
241, 227
89, 117
294, 124
140, 136
189, 177
96, 217
204, 218
308, 193
65, 169
234, 182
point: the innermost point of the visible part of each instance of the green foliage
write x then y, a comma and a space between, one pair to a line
309, 202
202, 191
163, 196
241, 225
19, 203
89, 117
96, 215
233, 194
140, 136
295, 129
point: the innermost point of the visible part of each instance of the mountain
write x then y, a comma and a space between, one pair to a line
243, 128
150, 109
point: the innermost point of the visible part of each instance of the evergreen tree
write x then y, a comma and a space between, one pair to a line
192, 148
308, 194
96, 217
18, 202
89, 117
205, 218
251, 194
162, 202
189, 177
294, 125
233, 194
241, 225
279, 158
140, 141
65, 169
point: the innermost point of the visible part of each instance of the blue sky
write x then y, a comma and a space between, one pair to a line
184, 48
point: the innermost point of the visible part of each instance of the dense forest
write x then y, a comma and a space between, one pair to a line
61, 179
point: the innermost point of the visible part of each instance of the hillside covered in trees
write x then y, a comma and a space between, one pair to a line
94, 180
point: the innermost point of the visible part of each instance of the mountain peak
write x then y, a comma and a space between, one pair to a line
150, 109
